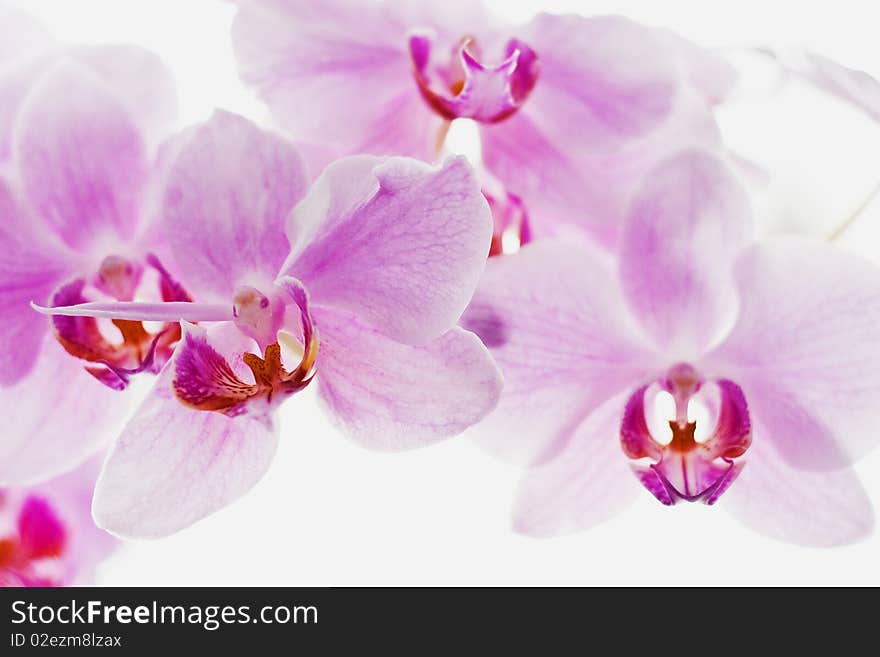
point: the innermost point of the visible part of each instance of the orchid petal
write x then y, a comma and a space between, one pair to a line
608, 75
81, 158
55, 417
173, 465
393, 240
139, 79
312, 63
585, 484
857, 88
805, 349
391, 396
22, 41
71, 497
228, 191
21, 35
553, 319
588, 189
30, 268
687, 224
707, 70
820, 509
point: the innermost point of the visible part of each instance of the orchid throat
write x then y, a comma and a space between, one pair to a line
461, 86
114, 360
688, 465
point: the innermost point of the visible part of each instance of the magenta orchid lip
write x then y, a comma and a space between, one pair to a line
590, 298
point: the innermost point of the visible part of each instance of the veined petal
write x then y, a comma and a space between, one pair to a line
586, 483
820, 509
229, 190
805, 349
391, 396
173, 465
687, 224
393, 240
553, 318
80, 156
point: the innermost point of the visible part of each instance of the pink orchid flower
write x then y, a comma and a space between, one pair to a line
72, 228
359, 289
706, 367
344, 76
47, 535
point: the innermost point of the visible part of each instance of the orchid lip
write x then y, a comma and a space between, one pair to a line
686, 468
166, 311
465, 87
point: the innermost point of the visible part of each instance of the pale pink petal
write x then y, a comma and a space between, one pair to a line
31, 266
139, 79
852, 86
80, 157
553, 318
229, 189
585, 484
708, 71
805, 349
609, 76
314, 63
135, 77
16, 79
393, 240
21, 35
173, 465
589, 189
56, 416
819, 509
688, 222
391, 396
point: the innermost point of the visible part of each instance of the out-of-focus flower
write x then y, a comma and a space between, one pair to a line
135, 77
73, 227
572, 111
857, 88
47, 535
724, 368
360, 292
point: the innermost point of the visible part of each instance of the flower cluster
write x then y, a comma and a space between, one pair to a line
636, 336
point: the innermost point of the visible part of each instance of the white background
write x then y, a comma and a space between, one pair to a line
330, 513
